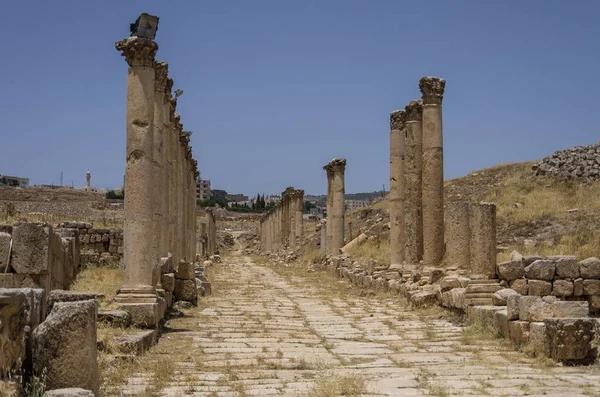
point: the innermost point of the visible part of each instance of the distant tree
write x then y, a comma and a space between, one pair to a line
307, 206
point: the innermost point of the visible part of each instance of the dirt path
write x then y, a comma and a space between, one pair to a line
294, 333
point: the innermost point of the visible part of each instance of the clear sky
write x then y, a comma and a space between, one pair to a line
275, 89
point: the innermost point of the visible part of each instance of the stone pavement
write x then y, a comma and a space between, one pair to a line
288, 332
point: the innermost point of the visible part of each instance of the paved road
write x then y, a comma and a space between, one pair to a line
294, 333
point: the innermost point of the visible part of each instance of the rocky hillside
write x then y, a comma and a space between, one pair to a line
579, 163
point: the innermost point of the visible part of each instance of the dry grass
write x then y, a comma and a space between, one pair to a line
102, 280
331, 385
311, 255
377, 248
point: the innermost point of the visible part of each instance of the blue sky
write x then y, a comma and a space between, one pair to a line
276, 89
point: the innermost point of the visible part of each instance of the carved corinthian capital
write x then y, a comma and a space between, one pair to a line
161, 69
414, 111
138, 52
432, 90
397, 120
335, 165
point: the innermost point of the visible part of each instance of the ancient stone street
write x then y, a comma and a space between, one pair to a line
290, 332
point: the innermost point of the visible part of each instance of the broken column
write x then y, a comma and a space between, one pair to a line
482, 222
412, 174
323, 247
432, 90
138, 295
458, 235
397, 134
335, 176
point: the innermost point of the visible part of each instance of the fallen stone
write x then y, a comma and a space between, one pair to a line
511, 270
59, 295
518, 332
4, 249
137, 342
13, 321
541, 270
538, 339
519, 285
590, 268
569, 338
436, 275
512, 307
578, 287
423, 298
591, 287
168, 281
533, 308
501, 321
185, 271
499, 297
116, 318
562, 288
65, 346
528, 260
32, 252
566, 266
539, 287
70, 392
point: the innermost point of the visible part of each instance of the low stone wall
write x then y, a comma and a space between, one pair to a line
97, 244
561, 276
34, 255
551, 325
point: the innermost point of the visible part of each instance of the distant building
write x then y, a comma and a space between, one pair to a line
14, 181
274, 199
218, 194
354, 204
202, 189
237, 197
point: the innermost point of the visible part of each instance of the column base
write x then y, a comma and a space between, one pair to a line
142, 304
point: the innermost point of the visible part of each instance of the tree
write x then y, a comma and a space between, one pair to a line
307, 206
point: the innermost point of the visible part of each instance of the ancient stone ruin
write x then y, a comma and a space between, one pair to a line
282, 226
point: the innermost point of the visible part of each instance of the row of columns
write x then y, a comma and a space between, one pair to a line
417, 178
283, 225
160, 192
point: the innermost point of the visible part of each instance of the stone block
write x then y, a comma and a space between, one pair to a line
136, 343
528, 260
538, 339
423, 298
168, 281
594, 302
590, 268
566, 267
448, 283
569, 338
530, 307
501, 321
59, 295
4, 248
166, 265
185, 290
69, 392
436, 275
541, 270
483, 314
499, 298
578, 287
13, 322
32, 248
533, 308
116, 318
143, 315
518, 332
185, 271
591, 287
562, 288
511, 270
539, 287
65, 345
512, 307
519, 285
35, 304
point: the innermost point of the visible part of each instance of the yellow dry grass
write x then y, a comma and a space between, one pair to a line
377, 248
102, 280
332, 385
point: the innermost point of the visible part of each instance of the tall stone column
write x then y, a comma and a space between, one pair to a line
176, 190
160, 82
458, 235
482, 222
432, 89
181, 200
323, 247
192, 243
138, 295
336, 218
329, 209
298, 216
397, 150
171, 166
412, 174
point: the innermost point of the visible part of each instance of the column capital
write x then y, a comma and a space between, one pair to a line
161, 70
138, 51
397, 120
414, 110
432, 90
168, 89
338, 164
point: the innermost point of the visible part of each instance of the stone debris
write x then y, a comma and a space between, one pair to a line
578, 163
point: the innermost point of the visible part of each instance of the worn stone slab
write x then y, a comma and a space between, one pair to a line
136, 342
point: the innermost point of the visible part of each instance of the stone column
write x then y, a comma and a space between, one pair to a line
458, 235
336, 217
397, 149
138, 295
329, 209
323, 249
482, 221
181, 199
432, 89
160, 82
412, 175
170, 163
298, 216
193, 228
